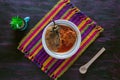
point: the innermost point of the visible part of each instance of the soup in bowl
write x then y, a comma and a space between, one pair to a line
61, 39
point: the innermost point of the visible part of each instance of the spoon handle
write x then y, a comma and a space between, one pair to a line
95, 57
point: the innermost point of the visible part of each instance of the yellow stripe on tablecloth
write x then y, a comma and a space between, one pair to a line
88, 25
83, 22
53, 62
65, 13
46, 62
35, 45
75, 10
35, 53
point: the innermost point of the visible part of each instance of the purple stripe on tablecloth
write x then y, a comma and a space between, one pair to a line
62, 11
81, 17
41, 56
87, 31
78, 21
55, 66
34, 41
38, 61
41, 52
72, 19
77, 18
44, 59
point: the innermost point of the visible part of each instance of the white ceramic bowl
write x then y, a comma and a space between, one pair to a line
70, 52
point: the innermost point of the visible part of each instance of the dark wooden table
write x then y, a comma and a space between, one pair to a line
13, 64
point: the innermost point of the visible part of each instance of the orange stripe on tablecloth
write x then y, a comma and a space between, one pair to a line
67, 61
69, 14
42, 25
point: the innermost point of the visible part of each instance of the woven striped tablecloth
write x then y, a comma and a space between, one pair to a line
31, 44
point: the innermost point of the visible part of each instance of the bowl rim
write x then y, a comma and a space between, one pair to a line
70, 52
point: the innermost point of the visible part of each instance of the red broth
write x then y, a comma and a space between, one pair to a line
67, 38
